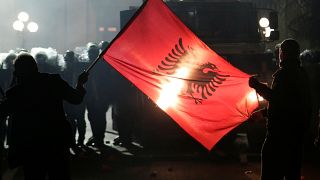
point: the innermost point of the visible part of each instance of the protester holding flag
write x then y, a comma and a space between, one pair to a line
288, 114
40, 136
181, 74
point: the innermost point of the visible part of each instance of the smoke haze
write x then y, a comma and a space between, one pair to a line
63, 24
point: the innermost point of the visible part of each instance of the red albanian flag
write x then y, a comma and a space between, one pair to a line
196, 87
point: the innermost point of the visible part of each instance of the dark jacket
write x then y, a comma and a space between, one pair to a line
289, 109
36, 114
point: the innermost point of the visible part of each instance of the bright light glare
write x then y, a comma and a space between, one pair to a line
18, 25
112, 29
260, 98
253, 97
169, 94
101, 29
33, 27
264, 22
23, 16
268, 31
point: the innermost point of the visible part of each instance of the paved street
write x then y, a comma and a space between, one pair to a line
115, 164
181, 160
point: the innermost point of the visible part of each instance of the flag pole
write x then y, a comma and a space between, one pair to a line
118, 35
96, 60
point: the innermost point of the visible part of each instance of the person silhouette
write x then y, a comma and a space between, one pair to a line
98, 98
75, 113
6, 69
288, 115
40, 136
310, 63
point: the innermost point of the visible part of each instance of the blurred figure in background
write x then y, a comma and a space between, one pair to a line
6, 77
311, 64
276, 54
42, 61
103, 45
47, 60
124, 109
75, 113
98, 98
6, 80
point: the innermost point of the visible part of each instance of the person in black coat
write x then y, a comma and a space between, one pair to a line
288, 115
98, 98
6, 69
40, 136
75, 113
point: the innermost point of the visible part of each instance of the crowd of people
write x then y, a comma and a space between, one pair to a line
101, 93
47, 95
105, 88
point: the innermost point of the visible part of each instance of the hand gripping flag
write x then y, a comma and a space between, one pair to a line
197, 88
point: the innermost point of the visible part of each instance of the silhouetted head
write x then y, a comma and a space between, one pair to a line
307, 57
25, 66
69, 56
10, 60
93, 51
103, 45
289, 52
41, 58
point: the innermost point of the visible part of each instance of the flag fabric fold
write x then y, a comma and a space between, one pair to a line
196, 87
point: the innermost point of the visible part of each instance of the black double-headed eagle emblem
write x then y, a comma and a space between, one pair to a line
203, 78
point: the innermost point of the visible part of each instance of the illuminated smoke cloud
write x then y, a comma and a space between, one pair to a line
54, 61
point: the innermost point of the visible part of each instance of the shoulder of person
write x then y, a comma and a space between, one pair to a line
52, 79
12, 91
50, 76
